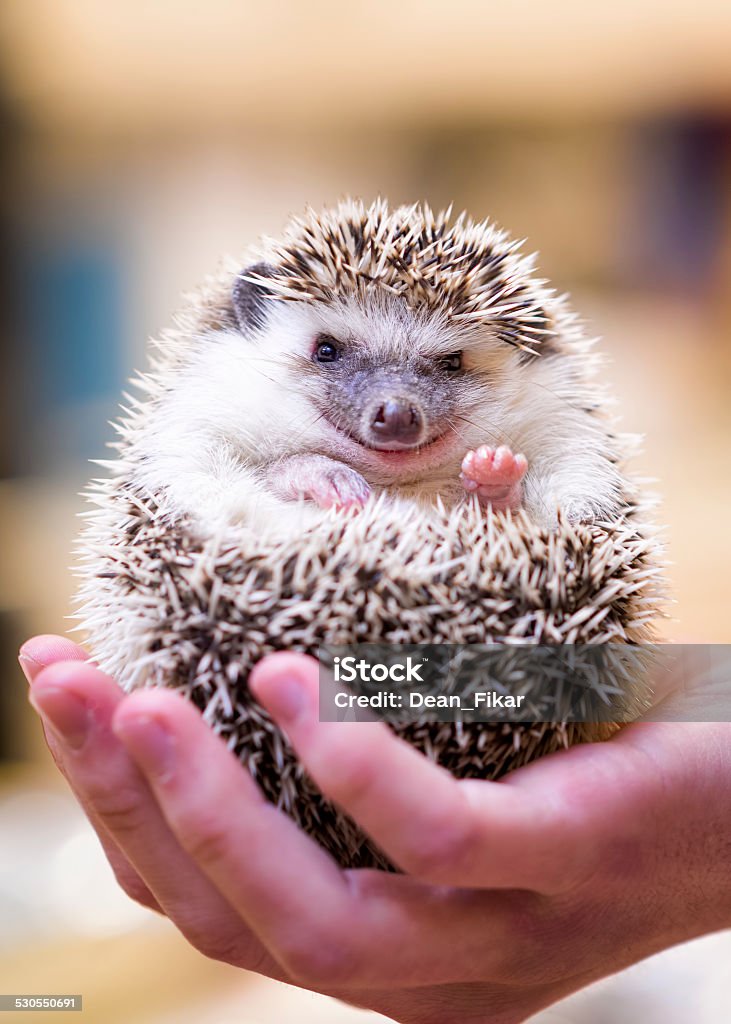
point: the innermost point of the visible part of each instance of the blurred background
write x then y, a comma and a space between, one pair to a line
141, 141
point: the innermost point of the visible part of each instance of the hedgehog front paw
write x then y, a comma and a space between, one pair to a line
340, 487
328, 483
495, 475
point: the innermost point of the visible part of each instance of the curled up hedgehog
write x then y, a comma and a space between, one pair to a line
382, 428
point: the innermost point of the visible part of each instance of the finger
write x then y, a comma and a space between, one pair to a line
34, 655
127, 877
77, 702
40, 651
477, 834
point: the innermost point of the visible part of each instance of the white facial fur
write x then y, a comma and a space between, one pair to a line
240, 403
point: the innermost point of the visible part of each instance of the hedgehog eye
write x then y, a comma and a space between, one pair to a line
451, 362
326, 350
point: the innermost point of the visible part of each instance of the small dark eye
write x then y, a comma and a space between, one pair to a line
327, 350
451, 362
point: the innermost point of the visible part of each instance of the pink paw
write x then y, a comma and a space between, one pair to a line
328, 483
340, 487
494, 475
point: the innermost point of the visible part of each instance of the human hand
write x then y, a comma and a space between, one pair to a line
515, 894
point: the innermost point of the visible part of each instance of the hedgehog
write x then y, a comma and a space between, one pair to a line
382, 428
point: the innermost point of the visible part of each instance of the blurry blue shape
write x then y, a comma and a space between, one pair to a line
71, 303
74, 311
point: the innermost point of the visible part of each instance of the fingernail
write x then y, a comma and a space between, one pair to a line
286, 699
30, 666
66, 713
150, 744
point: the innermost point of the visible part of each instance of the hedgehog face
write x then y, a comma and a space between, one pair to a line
394, 390
384, 376
393, 405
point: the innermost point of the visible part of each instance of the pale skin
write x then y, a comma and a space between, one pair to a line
514, 893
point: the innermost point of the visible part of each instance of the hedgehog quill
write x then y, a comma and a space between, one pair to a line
383, 428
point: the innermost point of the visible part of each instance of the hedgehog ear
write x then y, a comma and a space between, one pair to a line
250, 297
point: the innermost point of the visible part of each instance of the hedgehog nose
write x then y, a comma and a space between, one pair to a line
397, 419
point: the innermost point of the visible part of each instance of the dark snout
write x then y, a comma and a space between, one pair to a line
397, 422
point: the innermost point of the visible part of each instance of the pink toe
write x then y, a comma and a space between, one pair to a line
485, 453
